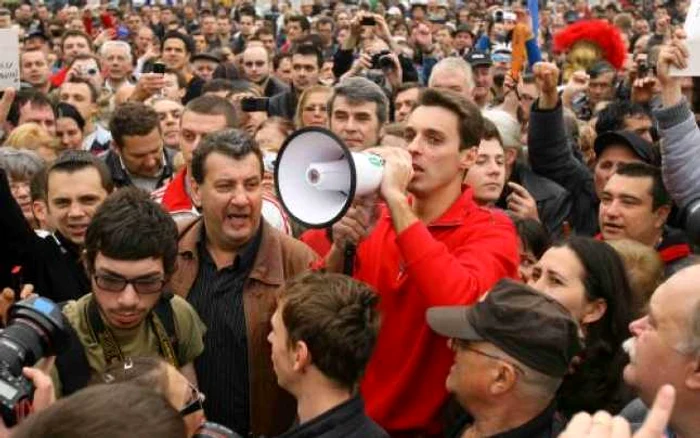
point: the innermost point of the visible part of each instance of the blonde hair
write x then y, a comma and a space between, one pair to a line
304, 97
34, 137
645, 270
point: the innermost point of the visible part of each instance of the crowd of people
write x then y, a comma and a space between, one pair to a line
526, 268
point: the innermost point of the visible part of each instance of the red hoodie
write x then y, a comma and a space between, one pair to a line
452, 261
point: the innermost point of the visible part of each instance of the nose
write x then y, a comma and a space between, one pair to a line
239, 198
639, 325
76, 210
128, 297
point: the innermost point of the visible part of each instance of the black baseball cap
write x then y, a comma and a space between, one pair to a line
206, 56
36, 34
478, 59
529, 326
642, 148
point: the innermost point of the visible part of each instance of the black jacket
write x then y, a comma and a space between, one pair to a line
52, 264
551, 156
553, 201
274, 87
283, 105
347, 420
548, 424
120, 176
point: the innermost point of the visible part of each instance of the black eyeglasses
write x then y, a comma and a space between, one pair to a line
143, 286
195, 401
464, 345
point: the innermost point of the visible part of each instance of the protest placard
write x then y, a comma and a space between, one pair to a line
9, 59
692, 31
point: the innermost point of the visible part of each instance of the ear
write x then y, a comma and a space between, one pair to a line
467, 157
593, 311
301, 356
692, 380
196, 192
511, 155
505, 378
661, 216
39, 211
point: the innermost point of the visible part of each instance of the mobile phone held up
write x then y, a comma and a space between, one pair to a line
254, 104
159, 68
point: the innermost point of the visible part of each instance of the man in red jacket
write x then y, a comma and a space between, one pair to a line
434, 247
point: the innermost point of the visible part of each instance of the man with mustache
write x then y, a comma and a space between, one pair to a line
665, 349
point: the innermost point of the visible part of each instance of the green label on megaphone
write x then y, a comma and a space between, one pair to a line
376, 160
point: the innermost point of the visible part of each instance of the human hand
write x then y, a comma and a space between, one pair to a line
361, 63
643, 89
7, 299
148, 85
546, 80
6, 103
356, 224
398, 171
675, 54
510, 97
382, 28
602, 425
521, 203
395, 75
39, 375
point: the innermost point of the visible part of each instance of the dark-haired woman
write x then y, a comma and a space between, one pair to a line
588, 277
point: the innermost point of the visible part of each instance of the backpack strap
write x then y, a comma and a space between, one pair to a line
165, 314
72, 364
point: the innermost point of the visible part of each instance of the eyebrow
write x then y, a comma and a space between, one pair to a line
118, 274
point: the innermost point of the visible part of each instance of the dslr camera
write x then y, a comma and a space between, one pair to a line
36, 328
382, 60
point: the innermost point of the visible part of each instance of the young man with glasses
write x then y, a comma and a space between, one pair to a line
511, 352
130, 254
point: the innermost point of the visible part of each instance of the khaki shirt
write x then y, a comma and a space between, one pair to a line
139, 341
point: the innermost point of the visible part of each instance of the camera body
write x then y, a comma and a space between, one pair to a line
36, 328
382, 60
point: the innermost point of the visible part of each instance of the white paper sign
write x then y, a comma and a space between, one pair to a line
9, 59
692, 31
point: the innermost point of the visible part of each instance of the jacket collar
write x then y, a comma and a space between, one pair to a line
546, 424
267, 267
329, 421
458, 211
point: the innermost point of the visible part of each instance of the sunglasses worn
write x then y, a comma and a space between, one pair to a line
195, 401
143, 286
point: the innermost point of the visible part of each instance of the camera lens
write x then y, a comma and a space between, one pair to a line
36, 329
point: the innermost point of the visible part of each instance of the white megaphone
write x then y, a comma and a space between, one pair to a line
317, 176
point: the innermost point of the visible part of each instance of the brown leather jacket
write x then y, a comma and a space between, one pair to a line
272, 410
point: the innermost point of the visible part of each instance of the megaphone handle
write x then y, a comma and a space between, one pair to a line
349, 260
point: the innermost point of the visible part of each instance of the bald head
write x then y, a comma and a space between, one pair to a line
682, 293
256, 64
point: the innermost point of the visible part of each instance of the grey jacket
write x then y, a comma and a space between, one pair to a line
680, 152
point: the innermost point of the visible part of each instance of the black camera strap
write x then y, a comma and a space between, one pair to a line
110, 347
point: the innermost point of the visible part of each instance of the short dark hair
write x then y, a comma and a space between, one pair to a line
308, 49
264, 30
216, 85
29, 96
325, 20
142, 413
278, 58
533, 235
302, 20
337, 318
214, 106
471, 122
247, 11
491, 132
132, 118
94, 94
130, 226
76, 33
405, 86
659, 194
72, 161
233, 143
612, 117
186, 40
